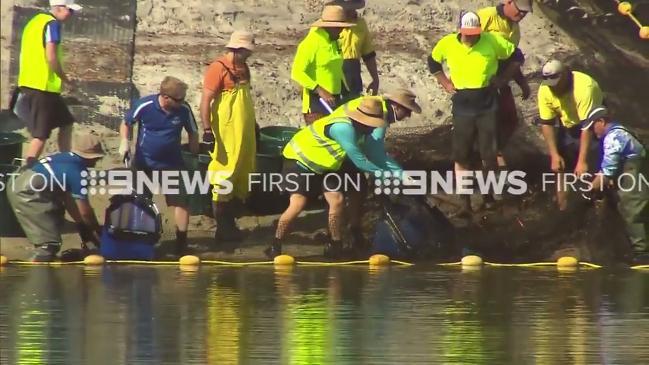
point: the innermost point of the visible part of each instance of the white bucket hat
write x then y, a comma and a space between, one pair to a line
70, 4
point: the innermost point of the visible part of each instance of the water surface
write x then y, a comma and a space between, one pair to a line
162, 315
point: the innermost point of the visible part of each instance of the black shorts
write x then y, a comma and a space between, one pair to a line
172, 200
42, 111
298, 180
467, 130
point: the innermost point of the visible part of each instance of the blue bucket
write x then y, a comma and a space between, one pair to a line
114, 249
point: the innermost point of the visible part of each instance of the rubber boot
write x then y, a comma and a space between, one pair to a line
359, 246
181, 243
333, 249
44, 253
226, 226
274, 250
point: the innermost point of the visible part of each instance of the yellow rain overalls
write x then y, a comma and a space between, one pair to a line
234, 155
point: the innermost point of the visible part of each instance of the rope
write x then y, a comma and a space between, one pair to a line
205, 262
531, 264
301, 263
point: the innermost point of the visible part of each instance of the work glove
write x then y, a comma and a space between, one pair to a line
125, 149
208, 136
87, 235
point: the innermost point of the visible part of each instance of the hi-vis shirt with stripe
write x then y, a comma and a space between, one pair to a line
313, 149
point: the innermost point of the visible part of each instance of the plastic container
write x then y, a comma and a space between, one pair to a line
273, 139
11, 147
199, 204
9, 226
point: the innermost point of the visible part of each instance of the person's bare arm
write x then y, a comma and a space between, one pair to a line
54, 62
205, 108
193, 143
125, 133
370, 64
445, 82
521, 81
557, 163
83, 214
584, 144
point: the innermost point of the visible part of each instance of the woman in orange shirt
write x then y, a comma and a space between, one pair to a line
228, 117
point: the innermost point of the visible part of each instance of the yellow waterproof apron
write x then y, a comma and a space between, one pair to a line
235, 151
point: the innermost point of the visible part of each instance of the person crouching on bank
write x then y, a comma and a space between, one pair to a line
316, 152
625, 165
42, 193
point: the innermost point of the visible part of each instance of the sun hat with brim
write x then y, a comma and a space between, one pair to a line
524, 5
596, 113
405, 98
369, 113
551, 72
333, 16
348, 4
241, 39
89, 147
70, 4
470, 24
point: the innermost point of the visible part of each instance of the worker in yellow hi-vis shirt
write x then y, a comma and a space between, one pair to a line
318, 64
566, 96
473, 57
504, 19
41, 79
356, 43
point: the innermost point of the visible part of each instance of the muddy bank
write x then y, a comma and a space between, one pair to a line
180, 38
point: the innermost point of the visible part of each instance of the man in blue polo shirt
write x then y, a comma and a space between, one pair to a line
42, 194
161, 118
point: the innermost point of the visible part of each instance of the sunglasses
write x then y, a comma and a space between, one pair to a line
174, 99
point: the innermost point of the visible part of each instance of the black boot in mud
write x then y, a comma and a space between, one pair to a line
44, 253
274, 250
226, 226
333, 249
359, 247
181, 248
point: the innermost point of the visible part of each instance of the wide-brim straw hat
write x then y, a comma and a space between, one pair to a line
333, 16
369, 113
241, 39
405, 98
88, 146
348, 4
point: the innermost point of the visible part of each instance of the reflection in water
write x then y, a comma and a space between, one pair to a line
152, 315
223, 321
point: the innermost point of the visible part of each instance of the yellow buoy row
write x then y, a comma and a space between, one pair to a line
626, 8
473, 261
470, 262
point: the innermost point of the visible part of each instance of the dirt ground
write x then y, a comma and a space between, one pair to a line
180, 38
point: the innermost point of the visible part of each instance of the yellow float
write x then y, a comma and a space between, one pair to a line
379, 260
94, 260
189, 260
471, 260
284, 260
